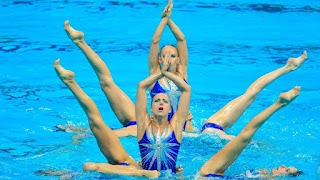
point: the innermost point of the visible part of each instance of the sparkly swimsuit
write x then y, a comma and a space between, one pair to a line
159, 152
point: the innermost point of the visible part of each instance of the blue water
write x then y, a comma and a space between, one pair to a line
231, 43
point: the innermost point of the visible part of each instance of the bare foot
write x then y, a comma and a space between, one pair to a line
151, 174
294, 63
75, 35
287, 97
64, 74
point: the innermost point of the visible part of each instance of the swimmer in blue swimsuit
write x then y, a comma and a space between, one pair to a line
120, 103
231, 112
159, 139
119, 161
218, 163
178, 60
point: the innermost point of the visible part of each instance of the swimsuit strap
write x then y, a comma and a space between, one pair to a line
215, 175
123, 164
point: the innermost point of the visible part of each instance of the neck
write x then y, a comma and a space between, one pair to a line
160, 121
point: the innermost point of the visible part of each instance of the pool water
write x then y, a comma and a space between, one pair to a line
231, 43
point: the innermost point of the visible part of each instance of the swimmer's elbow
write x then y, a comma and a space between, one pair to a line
142, 85
155, 40
187, 89
181, 38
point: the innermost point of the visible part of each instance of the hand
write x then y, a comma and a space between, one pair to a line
165, 62
167, 11
179, 169
190, 117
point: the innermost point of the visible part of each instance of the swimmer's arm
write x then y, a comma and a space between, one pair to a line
142, 102
154, 47
181, 45
183, 107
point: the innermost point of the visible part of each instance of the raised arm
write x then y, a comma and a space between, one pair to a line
154, 47
181, 115
142, 101
182, 47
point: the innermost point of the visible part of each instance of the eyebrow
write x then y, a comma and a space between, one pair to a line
163, 99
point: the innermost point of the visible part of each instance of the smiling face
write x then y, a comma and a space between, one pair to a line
283, 170
173, 59
160, 105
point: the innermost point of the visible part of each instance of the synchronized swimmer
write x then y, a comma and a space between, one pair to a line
159, 134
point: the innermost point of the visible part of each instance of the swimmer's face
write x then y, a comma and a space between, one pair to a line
283, 170
172, 52
160, 104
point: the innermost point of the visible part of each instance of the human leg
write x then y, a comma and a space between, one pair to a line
120, 103
107, 140
231, 112
120, 169
219, 162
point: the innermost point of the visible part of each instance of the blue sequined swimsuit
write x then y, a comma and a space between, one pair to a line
159, 152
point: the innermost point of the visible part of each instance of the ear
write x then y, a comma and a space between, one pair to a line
178, 60
151, 109
159, 60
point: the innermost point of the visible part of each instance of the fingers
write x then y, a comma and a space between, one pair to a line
170, 5
190, 117
167, 9
167, 58
179, 169
166, 61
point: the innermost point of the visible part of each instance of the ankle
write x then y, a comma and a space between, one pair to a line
79, 42
68, 81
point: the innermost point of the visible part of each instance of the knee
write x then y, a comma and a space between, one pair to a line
203, 171
250, 94
105, 82
252, 98
245, 136
89, 166
92, 125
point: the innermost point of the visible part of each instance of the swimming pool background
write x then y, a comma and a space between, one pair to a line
231, 43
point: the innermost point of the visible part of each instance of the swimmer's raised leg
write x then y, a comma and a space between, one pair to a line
219, 162
120, 103
231, 112
107, 140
